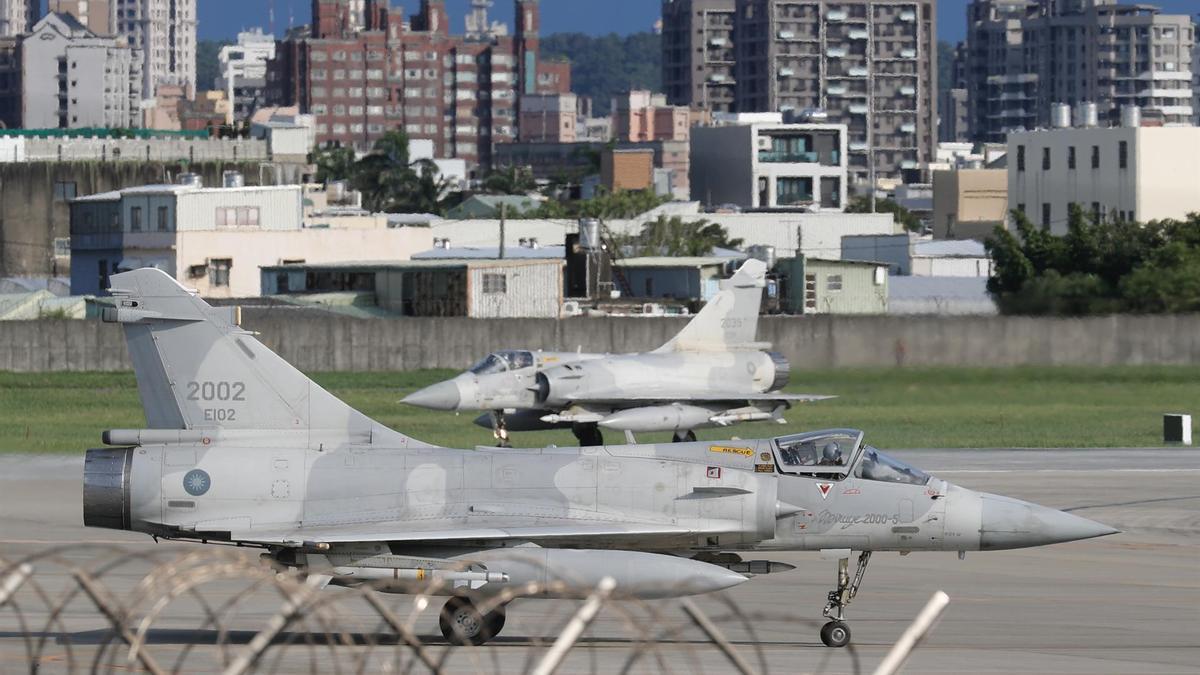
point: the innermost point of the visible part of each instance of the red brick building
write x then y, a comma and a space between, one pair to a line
362, 70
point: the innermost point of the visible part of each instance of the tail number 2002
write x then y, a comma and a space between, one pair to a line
217, 391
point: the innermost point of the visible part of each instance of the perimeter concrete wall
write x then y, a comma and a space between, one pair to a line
324, 343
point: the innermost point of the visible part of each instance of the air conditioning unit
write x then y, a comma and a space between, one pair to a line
764, 143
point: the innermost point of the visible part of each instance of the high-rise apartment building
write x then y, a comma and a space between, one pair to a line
868, 64
639, 116
95, 14
243, 75
164, 31
361, 79
1025, 55
18, 16
697, 53
71, 78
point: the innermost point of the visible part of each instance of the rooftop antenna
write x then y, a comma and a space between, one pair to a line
271, 16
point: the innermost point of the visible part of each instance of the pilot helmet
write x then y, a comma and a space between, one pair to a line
832, 452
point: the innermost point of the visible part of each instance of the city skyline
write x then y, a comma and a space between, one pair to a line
222, 19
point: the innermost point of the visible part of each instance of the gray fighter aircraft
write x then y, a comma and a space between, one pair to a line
712, 374
243, 448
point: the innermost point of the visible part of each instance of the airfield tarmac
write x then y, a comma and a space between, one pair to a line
1128, 603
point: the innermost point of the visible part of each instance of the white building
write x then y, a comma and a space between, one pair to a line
71, 78
907, 254
758, 162
216, 239
1130, 173
164, 31
16, 16
244, 72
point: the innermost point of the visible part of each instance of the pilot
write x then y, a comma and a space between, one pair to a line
799, 455
831, 454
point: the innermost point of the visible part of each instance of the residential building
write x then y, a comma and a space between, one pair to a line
908, 254
360, 79
1123, 173
18, 16
830, 286
758, 162
628, 169
575, 161
474, 288
698, 53
1025, 55
953, 119
71, 78
547, 118
1195, 75
244, 72
95, 14
215, 239
10, 82
290, 136
969, 203
640, 116
164, 33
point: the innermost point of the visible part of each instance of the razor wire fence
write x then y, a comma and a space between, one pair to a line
170, 609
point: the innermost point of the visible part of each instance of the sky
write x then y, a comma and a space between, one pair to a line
224, 18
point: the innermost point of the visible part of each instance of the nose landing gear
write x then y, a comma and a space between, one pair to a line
836, 633
500, 429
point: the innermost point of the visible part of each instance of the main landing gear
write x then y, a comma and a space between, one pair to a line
463, 623
688, 436
836, 633
588, 434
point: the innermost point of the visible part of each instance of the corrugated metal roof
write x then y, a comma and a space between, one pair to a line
493, 253
410, 264
835, 261
966, 248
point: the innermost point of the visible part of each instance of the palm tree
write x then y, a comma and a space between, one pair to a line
512, 180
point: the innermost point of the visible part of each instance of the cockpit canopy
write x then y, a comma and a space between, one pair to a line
833, 454
498, 362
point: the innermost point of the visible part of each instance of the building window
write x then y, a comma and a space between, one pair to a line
163, 224
1071, 158
1045, 159
237, 216
1020, 158
1096, 212
833, 283
495, 283
135, 219
218, 271
1123, 154
64, 191
102, 274
789, 191
1046, 215
1095, 157
1021, 209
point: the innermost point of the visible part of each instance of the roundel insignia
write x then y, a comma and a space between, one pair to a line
196, 482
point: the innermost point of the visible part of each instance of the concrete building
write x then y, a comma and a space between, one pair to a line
18, 16
95, 14
627, 169
969, 203
953, 117
1126, 173
831, 286
1025, 55
10, 82
214, 239
548, 118
868, 63
478, 289
164, 33
362, 78
907, 254
244, 73
576, 161
698, 55
756, 163
640, 116
71, 78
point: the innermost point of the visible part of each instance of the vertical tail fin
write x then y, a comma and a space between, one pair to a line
196, 369
730, 319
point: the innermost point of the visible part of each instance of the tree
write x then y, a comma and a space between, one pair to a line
334, 163
675, 237
388, 180
511, 180
900, 214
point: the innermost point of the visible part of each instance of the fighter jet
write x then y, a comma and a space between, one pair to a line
243, 448
712, 374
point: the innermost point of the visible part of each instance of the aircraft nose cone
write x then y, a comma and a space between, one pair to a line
440, 396
1011, 523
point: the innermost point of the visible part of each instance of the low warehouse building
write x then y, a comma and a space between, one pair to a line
818, 286
479, 289
682, 278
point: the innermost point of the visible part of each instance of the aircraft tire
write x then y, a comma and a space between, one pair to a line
462, 624
588, 434
835, 634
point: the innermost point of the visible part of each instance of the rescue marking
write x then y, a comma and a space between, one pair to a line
852, 491
824, 489
744, 452
714, 472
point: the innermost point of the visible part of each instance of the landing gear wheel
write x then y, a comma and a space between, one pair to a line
500, 429
463, 624
835, 634
688, 436
588, 435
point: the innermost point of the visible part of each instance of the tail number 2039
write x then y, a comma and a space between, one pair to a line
217, 391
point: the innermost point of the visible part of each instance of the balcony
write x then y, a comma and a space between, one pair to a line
857, 71
786, 72
908, 16
908, 90
908, 128
786, 35
783, 157
835, 52
835, 15
858, 34
908, 53
836, 90
858, 109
